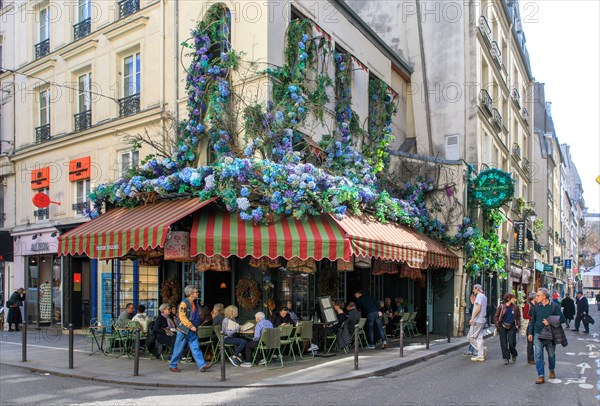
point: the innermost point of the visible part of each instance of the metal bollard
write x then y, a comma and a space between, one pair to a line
401, 337
23, 342
222, 350
136, 355
356, 347
449, 327
427, 333
71, 341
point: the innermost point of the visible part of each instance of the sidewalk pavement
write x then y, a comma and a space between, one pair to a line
48, 357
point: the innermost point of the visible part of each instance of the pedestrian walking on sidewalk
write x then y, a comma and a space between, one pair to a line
189, 320
568, 308
370, 309
478, 318
508, 321
583, 308
543, 309
14, 304
527, 312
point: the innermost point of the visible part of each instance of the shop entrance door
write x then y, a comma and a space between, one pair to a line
80, 292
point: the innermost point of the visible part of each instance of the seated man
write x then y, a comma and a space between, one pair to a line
164, 327
142, 318
261, 324
282, 318
332, 329
353, 316
126, 315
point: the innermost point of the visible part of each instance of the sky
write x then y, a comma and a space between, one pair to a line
563, 40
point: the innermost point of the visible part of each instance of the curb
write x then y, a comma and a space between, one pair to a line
131, 381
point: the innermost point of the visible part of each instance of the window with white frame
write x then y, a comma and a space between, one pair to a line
84, 96
127, 161
44, 20
131, 75
42, 213
84, 10
82, 201
44, 107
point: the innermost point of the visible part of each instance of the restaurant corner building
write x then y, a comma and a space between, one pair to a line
132, 258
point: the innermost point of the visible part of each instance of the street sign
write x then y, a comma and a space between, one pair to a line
515, 256
556, 260
568, 263
520, 236
492, 188
548, 268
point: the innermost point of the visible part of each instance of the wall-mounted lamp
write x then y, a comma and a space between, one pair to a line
223, 285
35, 236
54, 234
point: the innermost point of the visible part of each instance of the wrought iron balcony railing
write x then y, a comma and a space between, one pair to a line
516, 96
81, 207
128, 7
485, 29
486, 100
42, 134
496, 54
516, 150
525, 114
41, 214
42, 48
83, 120
129, 105
82, 29
497, 119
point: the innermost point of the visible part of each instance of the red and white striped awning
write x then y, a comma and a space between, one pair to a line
117, 231
393, 242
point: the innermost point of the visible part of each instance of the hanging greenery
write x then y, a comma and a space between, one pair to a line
382, 108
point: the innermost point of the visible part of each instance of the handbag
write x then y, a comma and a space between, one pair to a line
589, 319
507, 326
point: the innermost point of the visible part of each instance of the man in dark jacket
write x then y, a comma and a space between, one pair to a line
583, 308
370, 309
568, 306
14, 304
539, 319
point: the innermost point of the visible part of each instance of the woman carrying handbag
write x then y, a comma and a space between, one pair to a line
508, 321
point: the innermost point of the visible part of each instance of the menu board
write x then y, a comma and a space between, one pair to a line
327, 310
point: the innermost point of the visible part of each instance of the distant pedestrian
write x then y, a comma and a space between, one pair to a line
598, 300
14, 304
189, 320
478, 318
527, 312
568, 307
583, 308
543, 310
370, 308
508, 320
555, 297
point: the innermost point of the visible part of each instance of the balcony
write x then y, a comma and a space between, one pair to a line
516, 97
496, 54
497, 119
42, 48
41, 214
485, 100
81, 207
525, 114
485, 30
82, 29
42, 134
526, 167
516, 151
128, 7
129, 105
83, 120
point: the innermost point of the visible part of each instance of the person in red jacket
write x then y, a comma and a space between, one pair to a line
527, 309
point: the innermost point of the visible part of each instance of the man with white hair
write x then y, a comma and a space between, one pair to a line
478, 318
261, 324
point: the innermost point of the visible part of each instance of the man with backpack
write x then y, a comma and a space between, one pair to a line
542, 312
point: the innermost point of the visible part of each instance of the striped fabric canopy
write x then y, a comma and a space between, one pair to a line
117, 231
389, 241
318, 237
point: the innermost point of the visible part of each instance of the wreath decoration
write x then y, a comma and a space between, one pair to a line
247, 293
171, 292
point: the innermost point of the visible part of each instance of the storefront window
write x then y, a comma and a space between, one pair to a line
148, 289
137, 284
194, 278
56, 285
296, 287
43, 297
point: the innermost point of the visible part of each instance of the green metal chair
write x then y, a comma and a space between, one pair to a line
228, 348
269, 345
362, 336
286, 339
404, 319
205, 339
304, 334
411, 325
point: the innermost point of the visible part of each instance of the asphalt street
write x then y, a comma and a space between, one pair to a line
451, 379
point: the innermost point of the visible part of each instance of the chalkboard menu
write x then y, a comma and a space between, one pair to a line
328, 313
107, 297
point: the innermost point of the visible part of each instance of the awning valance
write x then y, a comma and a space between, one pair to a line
117, 231
390, 241
318, 237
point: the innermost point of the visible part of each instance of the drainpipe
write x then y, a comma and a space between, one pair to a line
424, 73
176, 63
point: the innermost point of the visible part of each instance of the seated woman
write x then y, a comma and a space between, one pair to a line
282, 318
165, 331
142, 318
205, 316
229, 328
333, 328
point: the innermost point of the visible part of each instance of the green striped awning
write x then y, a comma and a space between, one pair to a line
117, 231
318, 237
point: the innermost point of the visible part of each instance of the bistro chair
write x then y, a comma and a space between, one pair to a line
91, 334
205, 339
304, 334
411, 325
287, 340
362, 336
229, 349
404, 319
269, 345
333, 339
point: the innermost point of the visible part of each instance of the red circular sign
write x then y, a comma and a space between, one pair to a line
41, 200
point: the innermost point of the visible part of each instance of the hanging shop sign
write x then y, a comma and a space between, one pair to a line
177, 246
42, 200
492, 188
548, 268
568, 263
519, 236
514, 256
556, 260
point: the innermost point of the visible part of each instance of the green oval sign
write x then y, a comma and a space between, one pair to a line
492, 188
